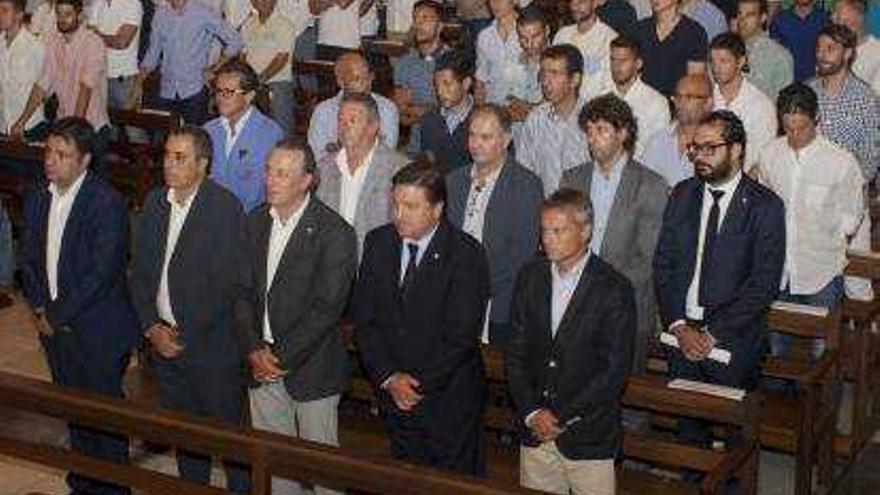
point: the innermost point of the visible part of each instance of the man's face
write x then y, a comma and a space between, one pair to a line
532, 38
353, 75
800, 129
562, 235
501, 8
625, 65
232, 100
286, 179
450, 91
605, 140
582, 10
849, 16
181, 167
354, 125
663, 5
693, 101
10, 16
726, 67
426, 26
749, 19
713, 158
556, 83
66, 18
487, 140
63, 162
831, 57
803, 3
264, 7
414, 215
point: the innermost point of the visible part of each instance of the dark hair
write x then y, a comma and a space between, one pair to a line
732, 129
429, 4
248, 78
630, 44
531, 15
19, 5
574, 61
502, 116
425, 175
797, 98
616, 112
458, 62
731, 42
762, 4
76, 4
841, 35
309, 165
201, 141
78, 131
365, 100
570, 199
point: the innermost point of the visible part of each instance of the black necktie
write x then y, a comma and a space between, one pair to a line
409, 275
709, 244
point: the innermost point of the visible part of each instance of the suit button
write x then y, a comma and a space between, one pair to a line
552, 364
546, 393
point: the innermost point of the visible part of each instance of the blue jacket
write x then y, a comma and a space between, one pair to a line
243, 171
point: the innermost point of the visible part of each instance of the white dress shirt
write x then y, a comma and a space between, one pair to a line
478, 202
650, 108
278, 239
758, 115
564, 285
21, 64
59, 212
821, 186
176, 219
233, 132
693, 310
351, 183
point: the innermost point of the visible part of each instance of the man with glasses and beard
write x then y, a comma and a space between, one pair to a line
718, 263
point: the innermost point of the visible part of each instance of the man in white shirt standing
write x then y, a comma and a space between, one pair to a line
593, 38
822, 187
851, 13
651, 109
338, 27
118, 23
21, 63
732, 91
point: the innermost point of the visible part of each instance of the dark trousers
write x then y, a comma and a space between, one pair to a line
210, 391
193, 109
93, 371
499, 334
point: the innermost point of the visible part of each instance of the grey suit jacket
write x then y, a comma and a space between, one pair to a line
631, 234
305, 299
374, 203
510, 229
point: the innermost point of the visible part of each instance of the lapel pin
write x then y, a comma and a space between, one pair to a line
309, 229
436, 256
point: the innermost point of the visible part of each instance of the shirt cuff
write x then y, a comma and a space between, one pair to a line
529, 417
387, 381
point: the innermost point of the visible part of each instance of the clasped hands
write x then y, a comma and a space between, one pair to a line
404, 389
165, 340
265, 365
694, 343
544, 425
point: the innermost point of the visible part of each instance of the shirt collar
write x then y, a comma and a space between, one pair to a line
423, 242
574, 273
728, 187
491, 178
239, 126
71, 191
342, 161
616, 169
458, 111
186, 204
293, 219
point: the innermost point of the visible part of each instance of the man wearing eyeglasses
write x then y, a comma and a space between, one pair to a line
718, 263
242, 136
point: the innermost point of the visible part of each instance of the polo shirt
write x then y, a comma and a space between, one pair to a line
665, 62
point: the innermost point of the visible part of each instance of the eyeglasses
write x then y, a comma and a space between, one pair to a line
228, 93
707, 149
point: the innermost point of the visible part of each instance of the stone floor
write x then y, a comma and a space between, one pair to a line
23, 355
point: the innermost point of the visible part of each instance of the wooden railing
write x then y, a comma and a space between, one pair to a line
268, 454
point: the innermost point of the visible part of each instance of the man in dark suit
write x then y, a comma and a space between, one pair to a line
573, 325
304, 258
191, 285
718, 263
419, 306
73, 261
443, 131
497, 201
628, 200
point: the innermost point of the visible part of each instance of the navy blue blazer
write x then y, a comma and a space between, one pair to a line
745, 268
93, 300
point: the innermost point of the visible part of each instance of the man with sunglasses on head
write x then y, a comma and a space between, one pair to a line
718, 264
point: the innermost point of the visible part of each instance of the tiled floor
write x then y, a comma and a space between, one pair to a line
21, 354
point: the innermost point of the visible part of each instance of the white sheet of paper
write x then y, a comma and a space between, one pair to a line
707, 388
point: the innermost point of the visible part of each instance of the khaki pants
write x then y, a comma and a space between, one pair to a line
545, 468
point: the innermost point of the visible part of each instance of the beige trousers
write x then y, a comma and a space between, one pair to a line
545, 468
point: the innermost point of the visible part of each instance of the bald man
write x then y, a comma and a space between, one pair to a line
665, 152
353, 75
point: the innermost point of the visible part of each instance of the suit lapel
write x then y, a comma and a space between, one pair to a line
190, 224
584, 286
264, 231
239, 153
459, 204
736, 210
371, 182
545, 303
300, 237
498, 199
77, 212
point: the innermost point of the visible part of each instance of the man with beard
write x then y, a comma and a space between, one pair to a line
593, 38
849, 111
413, 88
353, 75
525, 90
356, 180
851, 13
666, 152
718, 263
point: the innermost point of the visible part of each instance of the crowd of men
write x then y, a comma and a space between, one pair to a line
666, 166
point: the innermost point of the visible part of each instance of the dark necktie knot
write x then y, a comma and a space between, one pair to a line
413, 250
716, 194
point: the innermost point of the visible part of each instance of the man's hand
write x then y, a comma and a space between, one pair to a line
544, 425
518, 109
694, 344
403, 389
42, 324
265, 365
16, 132
164, 340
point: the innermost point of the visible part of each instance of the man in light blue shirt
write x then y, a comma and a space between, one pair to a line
183, 33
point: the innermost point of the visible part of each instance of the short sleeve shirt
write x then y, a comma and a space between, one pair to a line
666, 61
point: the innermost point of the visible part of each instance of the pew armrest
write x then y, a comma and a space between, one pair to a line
727, 467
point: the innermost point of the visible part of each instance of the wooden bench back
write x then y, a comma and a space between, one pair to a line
805, 321
147, 119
